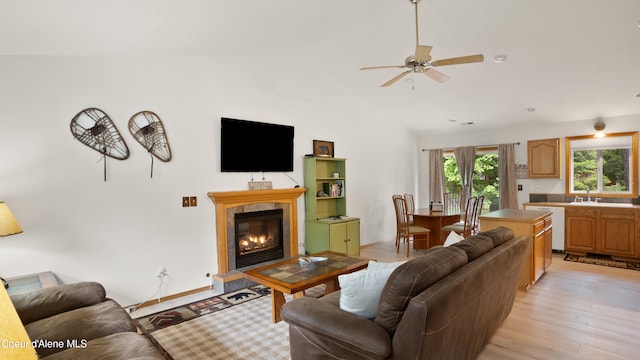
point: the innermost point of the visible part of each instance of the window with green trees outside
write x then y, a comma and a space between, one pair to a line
485, 178
604, 166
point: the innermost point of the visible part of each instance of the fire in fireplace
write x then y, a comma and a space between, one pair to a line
258, 237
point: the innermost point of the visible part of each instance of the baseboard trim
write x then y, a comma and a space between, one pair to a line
169, 297
376, 243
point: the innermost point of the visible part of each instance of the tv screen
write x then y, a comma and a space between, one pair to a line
248, 146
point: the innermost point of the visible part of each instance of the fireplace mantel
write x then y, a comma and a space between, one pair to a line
229, 199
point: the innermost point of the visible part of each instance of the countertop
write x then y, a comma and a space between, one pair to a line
516, 215
585, 204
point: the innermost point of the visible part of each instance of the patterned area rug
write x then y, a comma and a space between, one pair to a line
235, 325
604, 261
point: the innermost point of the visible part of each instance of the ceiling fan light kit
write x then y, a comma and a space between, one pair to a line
420, 61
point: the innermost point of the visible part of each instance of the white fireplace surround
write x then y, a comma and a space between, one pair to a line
230, 203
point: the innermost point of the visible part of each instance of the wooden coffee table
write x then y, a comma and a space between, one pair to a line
289, 277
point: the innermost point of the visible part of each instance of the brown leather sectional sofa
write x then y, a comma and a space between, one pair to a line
445, 304
77, 321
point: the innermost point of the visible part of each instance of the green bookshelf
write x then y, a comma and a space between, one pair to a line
327, 225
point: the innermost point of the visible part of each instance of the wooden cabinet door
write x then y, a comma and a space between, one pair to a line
353, 237
544, 158
344, 237
538, 255
548, 243
580, 230
617, 233
338, 237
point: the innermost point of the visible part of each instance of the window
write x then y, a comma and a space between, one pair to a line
485, 177
603, 166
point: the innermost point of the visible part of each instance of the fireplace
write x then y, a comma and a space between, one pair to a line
230, 203
258, 237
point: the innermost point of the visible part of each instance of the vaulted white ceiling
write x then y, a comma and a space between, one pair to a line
568, 59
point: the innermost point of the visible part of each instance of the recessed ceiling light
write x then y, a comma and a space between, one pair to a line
452, 120
531, 109
467, 123
637, 95
500, 58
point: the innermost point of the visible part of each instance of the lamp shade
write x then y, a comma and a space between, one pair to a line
8, 223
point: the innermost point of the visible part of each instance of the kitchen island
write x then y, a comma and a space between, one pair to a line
535, 224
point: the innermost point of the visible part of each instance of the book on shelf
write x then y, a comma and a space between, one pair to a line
340, 184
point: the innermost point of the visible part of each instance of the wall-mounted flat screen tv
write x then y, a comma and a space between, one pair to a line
250, 146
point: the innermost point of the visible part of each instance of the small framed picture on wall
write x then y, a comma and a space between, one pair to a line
322, 148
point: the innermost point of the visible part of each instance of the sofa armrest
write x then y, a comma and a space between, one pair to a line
46, 302
332, 330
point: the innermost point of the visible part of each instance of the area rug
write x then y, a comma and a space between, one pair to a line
604, 261
235, 325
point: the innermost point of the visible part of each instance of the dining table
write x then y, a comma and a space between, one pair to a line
434, 221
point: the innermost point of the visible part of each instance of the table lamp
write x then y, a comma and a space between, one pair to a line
8, 226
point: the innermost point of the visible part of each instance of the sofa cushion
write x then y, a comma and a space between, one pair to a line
86, 323
475, 246
42, 303
499, 235
360, 290
411, 278
126, 345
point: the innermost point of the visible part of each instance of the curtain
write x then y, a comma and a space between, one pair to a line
466, 158
507, 176
436, 175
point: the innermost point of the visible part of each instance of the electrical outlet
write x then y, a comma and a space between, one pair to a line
193, 201
162, 272
185, 201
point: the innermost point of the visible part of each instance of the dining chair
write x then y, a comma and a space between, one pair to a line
405, 231
475, 225
466, 227
411, 207
452, 201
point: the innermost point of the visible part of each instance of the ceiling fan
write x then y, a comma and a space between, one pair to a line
421, 62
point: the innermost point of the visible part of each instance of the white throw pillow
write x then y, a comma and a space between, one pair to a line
360, 291
453, 238
376, 265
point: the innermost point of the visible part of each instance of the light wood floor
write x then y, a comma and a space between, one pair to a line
575, 311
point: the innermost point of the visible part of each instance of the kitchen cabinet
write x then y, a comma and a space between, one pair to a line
617, 233
580, 229
543, 158
537, 225
602, 230
557, 217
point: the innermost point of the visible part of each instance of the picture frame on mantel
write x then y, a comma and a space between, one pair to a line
323, 148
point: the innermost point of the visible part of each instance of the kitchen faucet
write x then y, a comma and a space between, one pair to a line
588, 195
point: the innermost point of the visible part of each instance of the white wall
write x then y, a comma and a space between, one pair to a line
521, 133
120, 232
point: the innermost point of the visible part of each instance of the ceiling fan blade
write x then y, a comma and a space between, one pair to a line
422, 53
436, 75
396, 78
382, 67
459, 60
